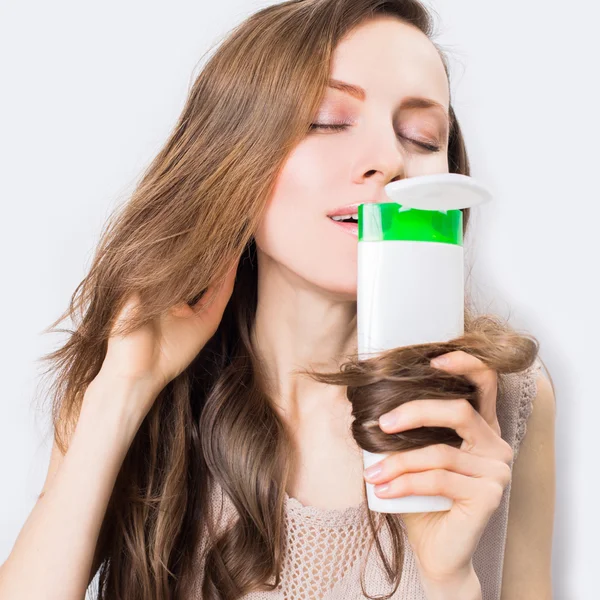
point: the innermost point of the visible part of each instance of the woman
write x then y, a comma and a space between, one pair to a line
201, 463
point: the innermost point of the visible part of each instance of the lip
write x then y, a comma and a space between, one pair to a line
350, 228
349, 209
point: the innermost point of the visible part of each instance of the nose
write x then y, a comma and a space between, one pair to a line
383, 158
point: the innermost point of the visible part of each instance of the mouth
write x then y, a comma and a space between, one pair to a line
347, 223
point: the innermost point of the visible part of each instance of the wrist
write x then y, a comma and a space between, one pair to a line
116, 403
462, 586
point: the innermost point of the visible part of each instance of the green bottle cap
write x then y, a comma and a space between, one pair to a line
391, 221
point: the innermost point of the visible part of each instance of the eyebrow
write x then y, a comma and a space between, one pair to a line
409, 102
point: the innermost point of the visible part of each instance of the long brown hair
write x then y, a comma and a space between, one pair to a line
194, 210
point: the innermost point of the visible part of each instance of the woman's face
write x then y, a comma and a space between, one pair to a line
378, 143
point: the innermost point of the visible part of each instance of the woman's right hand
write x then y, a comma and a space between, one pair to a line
156, 353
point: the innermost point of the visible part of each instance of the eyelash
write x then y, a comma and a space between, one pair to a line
341, 126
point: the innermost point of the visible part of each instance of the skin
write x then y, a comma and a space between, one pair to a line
307, 279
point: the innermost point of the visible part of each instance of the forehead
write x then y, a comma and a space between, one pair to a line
391, 59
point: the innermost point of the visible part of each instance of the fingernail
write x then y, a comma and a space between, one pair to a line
384, 487
372, 471
440, 361
387, 420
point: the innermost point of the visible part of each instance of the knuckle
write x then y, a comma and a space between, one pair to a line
439, 478
465, 410
440, 481
403, 483
393, 463
495, 492
505, 474
510, 454
506, 452
441, 453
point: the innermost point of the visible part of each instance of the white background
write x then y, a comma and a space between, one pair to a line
90, 92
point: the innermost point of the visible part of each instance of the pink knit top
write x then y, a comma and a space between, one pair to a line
327, 548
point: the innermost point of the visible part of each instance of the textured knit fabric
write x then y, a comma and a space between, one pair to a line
327, 548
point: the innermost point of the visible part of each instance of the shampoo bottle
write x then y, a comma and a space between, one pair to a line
411, 282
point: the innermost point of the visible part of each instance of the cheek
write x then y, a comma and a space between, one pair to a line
296, 233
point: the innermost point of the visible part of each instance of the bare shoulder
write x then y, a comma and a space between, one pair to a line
528, 553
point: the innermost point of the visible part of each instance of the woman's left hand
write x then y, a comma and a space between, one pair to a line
474, 475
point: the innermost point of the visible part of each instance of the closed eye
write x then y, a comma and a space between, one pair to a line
341, 126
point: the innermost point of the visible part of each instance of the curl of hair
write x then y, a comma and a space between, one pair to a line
195, 209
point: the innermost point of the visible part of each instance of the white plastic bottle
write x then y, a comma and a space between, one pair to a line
411, 282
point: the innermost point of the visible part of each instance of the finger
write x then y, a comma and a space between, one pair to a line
228, 280
462, 488
457, 414
439, 456
479, 374
212, 299
183, 309
128, 310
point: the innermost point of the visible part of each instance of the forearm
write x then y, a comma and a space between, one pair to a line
52, 556
463, 587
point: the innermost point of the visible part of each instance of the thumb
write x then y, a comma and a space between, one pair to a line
218, 293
